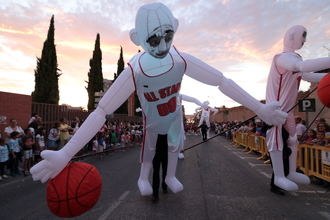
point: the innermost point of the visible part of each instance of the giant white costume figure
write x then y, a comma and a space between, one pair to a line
156, 75
197, 102
286, 71
205, 114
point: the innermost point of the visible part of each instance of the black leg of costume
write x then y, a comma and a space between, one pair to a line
286, 155
164, 165
204, 134
160, 158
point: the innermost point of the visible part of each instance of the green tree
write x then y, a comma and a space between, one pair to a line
95, 75
47, 72
123, 109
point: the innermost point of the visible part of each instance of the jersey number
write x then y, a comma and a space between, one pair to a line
167, 108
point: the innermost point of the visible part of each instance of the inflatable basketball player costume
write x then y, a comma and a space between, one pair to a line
286, 71
156, 75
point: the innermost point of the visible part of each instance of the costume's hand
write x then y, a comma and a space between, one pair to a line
271, 114
52, 164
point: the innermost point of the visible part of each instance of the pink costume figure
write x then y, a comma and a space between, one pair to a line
156, 74
286, 71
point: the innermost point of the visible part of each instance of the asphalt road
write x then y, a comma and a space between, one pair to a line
220, 182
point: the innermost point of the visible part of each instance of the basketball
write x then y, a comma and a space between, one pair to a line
75, 190
323, 90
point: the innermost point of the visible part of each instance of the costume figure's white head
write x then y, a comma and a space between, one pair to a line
294, 38
154, 29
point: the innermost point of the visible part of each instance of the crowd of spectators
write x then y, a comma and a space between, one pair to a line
320, 135
21, 148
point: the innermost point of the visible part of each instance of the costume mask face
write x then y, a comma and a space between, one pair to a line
294, 38
154, 29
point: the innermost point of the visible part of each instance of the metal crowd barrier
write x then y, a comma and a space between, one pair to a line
313, 160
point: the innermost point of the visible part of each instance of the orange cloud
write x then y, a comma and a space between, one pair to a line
13, 31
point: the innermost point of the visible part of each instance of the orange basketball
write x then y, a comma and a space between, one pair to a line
75, 190
323, 90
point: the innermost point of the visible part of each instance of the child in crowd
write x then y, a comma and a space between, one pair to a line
320, 138
95, 144
133, 133
101, 142
4, 157
71, 133
40, 144
53, 137
124, 139
113, 138
29, 132
138, 136
308, 139
27, 144
14, 153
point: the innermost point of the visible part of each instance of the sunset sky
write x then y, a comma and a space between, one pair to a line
238, 37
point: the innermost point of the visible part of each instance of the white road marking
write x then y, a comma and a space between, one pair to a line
326, 215
113, 206
294, 194
312, 191
242, 157
11, 182
269, 176
256, 164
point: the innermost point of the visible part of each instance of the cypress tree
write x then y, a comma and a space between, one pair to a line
123, 109
95, 75
46, 74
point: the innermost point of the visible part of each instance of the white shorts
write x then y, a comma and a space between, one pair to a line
27, 154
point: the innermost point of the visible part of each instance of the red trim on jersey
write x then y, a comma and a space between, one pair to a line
276, 136
278, 98
132, 74
185, 62
158, 74
279, 88
144, 136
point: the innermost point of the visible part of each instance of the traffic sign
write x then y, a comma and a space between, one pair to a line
307, 105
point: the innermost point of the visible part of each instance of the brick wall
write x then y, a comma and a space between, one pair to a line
239, 113
15, 106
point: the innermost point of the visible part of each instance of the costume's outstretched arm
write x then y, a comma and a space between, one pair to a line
198, 109
292, 62
117, 94
313, 77
54, 161
214, 110
191, 99
208, 75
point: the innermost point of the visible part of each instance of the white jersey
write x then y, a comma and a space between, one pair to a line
282, 86
205, 116
159, 96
